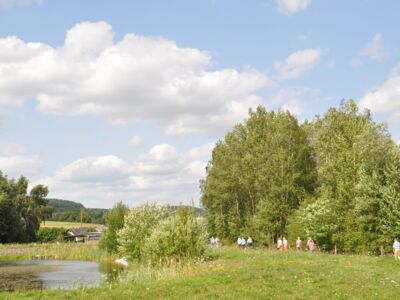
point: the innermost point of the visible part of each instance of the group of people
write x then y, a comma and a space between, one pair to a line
242, 243
283, 244
214, 242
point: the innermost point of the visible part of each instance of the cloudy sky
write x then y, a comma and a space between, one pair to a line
124, 100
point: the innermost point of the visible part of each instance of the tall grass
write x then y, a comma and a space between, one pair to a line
59, 251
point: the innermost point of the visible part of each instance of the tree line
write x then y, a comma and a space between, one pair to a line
335, 179
21, 212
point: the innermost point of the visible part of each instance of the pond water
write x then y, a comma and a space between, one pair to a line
53, 274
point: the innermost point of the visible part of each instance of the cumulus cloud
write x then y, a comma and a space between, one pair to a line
137, 78
292, 99
160, 174
15, 162
298, 63
290, 7
386, 97
374, 49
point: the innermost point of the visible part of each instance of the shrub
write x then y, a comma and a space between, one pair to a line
179, 237
48, 235
139, 224
156, 234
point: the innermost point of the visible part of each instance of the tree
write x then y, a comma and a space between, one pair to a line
258, 176
349, 149
115, 219
20, 213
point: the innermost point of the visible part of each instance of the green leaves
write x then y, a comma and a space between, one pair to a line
156, 234
20, 214
263, 167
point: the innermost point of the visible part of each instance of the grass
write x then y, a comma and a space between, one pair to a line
62, 251
68, 225
251, 274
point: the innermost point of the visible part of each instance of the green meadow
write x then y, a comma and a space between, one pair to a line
231, 273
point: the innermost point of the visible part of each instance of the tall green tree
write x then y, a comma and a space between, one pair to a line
258, 175
20, 213
349, 149
115, 220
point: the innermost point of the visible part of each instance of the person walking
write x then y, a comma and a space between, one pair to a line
396, 249
250, 242
279, 245
299, 244
243, 243
312, 246
239, 242
285, 243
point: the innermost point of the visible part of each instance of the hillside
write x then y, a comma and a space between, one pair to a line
70, 211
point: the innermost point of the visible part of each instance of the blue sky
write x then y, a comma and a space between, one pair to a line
123, 100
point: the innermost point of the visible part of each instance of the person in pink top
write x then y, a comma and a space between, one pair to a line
312, 246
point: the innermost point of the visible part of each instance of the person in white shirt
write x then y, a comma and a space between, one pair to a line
396, 249
239, 241
250, 242
243, 243
299, 244
279, 244
285, 243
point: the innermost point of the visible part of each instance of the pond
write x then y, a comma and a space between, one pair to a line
53, 274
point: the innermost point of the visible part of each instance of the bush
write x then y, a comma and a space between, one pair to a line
139, 224
156, 234
49, 235
179, 237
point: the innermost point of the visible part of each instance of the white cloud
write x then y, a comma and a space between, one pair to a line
6, 3
135, 141
11, 148
374, 49
298, 63
290, 7
137, 78
15, 162
386, 97
292, 99
160, 174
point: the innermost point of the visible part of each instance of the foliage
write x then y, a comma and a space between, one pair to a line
335, 179
139, 224
179, 237
69, 211
114, 222
20, 212
258, 176
50, 234
156, 234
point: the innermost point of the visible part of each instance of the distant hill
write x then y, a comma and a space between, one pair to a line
60, 206
70, 211
198, 212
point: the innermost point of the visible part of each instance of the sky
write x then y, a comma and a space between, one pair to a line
107, 101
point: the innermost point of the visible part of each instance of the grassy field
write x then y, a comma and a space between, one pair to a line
63, 251
232, 273
68, 225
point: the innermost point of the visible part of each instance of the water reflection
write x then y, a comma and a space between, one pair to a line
49, 274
